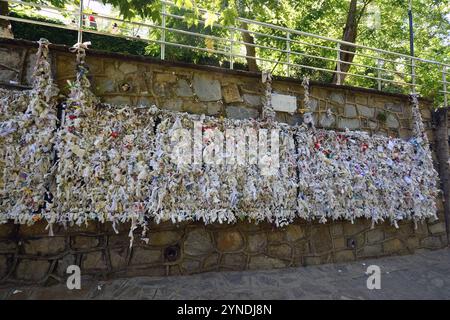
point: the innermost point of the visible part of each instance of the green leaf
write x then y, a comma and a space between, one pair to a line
155, 12
210, 18
191, 19
228, 16
188, 4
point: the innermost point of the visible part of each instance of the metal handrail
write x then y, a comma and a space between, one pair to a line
312, 35
267, 47
256, 45
287, 53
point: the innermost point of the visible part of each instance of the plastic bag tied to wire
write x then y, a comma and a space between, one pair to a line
26, 153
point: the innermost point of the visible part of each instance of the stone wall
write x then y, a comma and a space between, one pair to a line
232, 94
29, 255
120, 79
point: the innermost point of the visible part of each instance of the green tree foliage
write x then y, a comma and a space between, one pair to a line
380, 24
68, 37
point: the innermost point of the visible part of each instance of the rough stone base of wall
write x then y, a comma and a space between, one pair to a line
29, 256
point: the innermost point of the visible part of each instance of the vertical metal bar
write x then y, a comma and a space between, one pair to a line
288, 54
413, 74
411, 29
338, 64
163, 31
80, 23
379, 64
231, 48
444, 79
411, 47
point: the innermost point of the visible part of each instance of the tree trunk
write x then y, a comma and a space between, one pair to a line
442, 153
349, 35
5, 26
250, 50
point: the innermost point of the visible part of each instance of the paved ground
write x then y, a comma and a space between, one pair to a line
424, 275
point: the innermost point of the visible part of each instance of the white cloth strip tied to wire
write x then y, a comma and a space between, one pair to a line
14, 102
103, 171
105, 152
268, 113
225, 191
119, 168
340, 176
100, 156
307, 116
116, 165
418, 127
26, 154
351, 174
80, 49
81, 99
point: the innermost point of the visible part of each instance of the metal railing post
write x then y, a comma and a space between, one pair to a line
413, 74
288, 54
80, 23
338, 64
379, 64
163, 31
444, 80
231, 48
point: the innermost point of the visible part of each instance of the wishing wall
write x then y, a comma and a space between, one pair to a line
113, 165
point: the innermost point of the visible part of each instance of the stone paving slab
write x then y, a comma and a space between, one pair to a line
425, 275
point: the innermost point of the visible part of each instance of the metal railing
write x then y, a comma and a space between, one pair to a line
285, 51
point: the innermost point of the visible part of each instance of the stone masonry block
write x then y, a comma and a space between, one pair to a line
198, 242
206, 88
229, 240
45, 246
